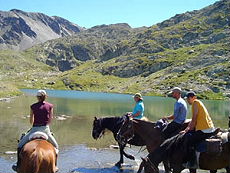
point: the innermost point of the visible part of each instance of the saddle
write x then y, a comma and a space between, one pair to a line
214, 144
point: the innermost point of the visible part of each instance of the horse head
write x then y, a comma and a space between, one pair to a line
126, 132
98, 129
148, 166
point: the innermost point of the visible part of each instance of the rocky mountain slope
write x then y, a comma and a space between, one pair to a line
190, 50
20, 30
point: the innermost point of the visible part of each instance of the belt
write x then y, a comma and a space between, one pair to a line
38, 125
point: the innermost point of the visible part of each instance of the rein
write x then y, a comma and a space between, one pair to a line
129, 126
131, 131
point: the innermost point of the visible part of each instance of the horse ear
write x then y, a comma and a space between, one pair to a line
95, 118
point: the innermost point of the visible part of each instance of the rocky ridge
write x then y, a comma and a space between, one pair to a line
21, 30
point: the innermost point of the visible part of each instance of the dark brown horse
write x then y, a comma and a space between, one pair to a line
150, 132
175, 151
37, 156
113, 124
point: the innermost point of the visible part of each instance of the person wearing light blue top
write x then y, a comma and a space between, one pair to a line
179, 114
138, 111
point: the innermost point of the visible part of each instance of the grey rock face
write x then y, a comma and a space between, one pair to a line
21, 30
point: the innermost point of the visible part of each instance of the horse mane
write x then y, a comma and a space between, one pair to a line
167, 149
174, 143
112, 123
149, 123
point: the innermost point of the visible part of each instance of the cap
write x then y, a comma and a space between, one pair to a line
190, 94
176, 89
138, 95
41, 93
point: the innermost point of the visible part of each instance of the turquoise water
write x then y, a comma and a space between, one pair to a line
74, 113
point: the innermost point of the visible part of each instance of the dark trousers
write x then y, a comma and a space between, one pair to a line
195, 137
171, 129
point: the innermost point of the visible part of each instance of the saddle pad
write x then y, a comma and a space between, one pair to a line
210, 146
38, 135
224, 137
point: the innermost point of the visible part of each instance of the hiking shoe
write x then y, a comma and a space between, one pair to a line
56, 169
14, 167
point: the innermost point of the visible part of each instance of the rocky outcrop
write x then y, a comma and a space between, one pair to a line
21, 30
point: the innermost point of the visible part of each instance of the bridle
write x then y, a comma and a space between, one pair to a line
98, 125
121, 135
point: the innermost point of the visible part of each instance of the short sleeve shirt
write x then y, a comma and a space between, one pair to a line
180, 111
42, 113
139, 107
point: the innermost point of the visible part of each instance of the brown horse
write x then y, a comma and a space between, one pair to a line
150, 132
175, 151
145, 129
37, 156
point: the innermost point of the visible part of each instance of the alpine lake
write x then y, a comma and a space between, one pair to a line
74, 113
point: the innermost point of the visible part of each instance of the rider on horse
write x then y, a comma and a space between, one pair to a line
41, 114
138, 111
178, 117
201, 127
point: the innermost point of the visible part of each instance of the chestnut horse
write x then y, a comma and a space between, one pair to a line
175, 150
37, 156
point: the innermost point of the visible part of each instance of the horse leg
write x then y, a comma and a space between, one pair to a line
166, 166
228, 169
213, 171
118, 164
177, 169
140, 167
192, 170
129, 156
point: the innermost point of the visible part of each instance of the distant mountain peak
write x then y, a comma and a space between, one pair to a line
21, 30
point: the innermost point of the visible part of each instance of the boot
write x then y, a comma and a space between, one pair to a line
17, 165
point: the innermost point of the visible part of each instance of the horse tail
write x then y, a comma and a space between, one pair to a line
36, 161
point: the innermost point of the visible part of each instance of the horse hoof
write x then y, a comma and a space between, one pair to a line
118, 165
132, 158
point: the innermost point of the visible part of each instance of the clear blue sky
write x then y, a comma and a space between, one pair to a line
88, 13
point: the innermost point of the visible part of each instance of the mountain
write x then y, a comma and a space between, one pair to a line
21, 30
206, 26
189, 50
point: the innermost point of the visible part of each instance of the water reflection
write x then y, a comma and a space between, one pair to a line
81, 107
